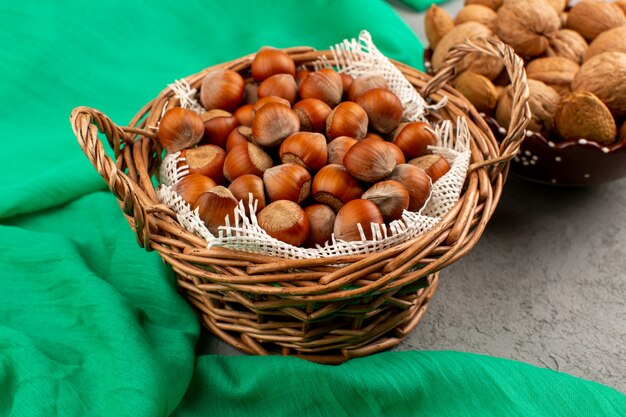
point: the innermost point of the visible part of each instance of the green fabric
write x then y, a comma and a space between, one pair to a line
421, 5
92, 325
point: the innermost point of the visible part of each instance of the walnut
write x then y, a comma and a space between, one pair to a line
605, 76
590, 18
542, 101
581, 115
492, 4
477, 13
613, 40
568, 44
527, 25
437, 23
557, 72
488, 66
477, 89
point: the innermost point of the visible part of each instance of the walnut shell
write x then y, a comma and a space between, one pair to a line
581, 115
492, 4
568, 44
477, 13
557, 72
605, 76
590, 18
558, 5
437, 23
477, 89
613, 40
527, 25
488, 66
542, 101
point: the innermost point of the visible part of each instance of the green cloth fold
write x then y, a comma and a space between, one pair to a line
93, 325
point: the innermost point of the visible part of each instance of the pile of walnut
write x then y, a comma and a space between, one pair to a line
319, 151
575, 60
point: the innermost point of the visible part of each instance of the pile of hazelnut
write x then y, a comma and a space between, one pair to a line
319, 151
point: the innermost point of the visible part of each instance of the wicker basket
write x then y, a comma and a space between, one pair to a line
325, 310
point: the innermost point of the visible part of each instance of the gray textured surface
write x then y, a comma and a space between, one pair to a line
546, 284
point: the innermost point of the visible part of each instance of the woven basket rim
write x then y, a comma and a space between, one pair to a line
148, 116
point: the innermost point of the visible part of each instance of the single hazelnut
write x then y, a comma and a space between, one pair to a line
191, 186
414, 138
396, 152
416, 181
435, 166
391, 198
287, 182
267, 100
272, 123
249, 185
334, 186
384, 109
222, 89
284, 220
346, 81
279, 85
239, 135
338, 147
372, 135
244, 115
215, 206
355, 212
301, 74
179, 129
269, 61
250, 91
312, 113
324, 84
246, 159
321, 220
217, 126
207, 160
347, 119
369, 160
305, 148
363, 84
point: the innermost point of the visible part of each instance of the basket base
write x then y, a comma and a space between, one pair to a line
329, 333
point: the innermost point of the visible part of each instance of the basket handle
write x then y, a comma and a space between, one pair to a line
520, 114
86, 123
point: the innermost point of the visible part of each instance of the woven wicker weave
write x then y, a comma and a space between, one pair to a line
325, 310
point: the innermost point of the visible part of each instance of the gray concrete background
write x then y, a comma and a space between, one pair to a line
546, 284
